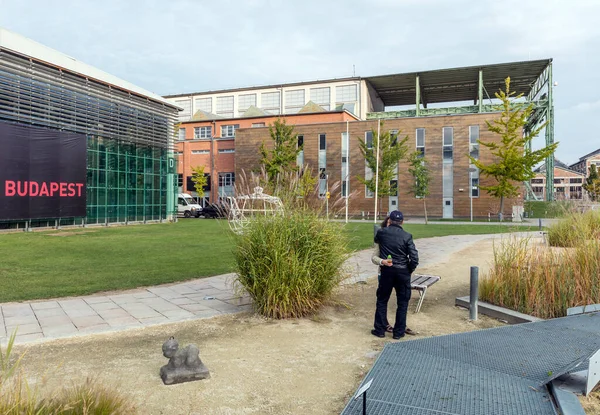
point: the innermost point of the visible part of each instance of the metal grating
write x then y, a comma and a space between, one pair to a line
496, 371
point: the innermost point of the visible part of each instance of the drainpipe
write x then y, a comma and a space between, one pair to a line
213, 198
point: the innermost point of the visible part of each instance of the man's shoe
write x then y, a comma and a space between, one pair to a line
398, 337
375, 333
410, 332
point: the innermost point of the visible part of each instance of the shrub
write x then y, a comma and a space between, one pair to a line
543, 281
576, 227
290, 263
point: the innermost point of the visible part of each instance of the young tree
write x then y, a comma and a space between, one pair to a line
199, 180
422, 176
513, 158
282, 158
391, 151
592, 184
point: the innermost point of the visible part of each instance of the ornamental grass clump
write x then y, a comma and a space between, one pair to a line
543, 281
290, 261
574, 228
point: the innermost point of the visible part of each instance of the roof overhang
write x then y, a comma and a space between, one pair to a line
456, 84
23, 46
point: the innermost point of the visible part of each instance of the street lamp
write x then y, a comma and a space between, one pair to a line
471, 171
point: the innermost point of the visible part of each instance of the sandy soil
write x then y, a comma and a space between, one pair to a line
261, 366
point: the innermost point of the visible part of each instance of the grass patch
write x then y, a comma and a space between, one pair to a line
38, 265
542, 209
574, 229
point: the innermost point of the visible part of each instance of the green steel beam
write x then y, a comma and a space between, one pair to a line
418, 94
480, 91
550, 138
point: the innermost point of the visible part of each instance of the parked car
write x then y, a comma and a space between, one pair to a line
214, 210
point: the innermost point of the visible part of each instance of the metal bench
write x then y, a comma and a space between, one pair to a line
421, 282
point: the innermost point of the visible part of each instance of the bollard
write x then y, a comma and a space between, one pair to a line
540, 223
474, 294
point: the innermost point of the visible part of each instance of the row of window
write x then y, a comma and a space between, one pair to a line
226, 183
227, 131
573, 180
270, 101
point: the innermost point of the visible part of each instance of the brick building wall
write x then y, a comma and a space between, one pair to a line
249, 140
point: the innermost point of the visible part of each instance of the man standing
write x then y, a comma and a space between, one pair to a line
397, 244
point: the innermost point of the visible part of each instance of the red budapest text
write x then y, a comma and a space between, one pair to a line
33, 189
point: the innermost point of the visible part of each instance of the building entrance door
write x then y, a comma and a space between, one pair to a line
448, 212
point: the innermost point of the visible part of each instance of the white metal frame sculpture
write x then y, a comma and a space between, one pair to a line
243, 207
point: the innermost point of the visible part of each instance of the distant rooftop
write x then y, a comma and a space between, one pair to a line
437, 86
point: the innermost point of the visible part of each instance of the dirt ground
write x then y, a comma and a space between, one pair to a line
259, 366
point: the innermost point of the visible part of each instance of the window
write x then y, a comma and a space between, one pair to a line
245, 102
225, 106
322, 142
537, 181
226, 150
180, 180
226, 183
369, 139
473, 141
345, 93
321, 96
181, 134
475, 185
557, 181
294, 101
394, 137
300, 156
270, 102
258, 124
186, 104
420, 137
560, 189
537, 189
322, 164
203, 104
202, 132
200, 151
345, 176
576, 180
448, 140
229, 130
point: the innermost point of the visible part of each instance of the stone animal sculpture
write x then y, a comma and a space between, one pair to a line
184, 365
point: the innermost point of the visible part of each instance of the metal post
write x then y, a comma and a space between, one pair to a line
540, 223
365, 403
550, 139
480, 92
347, 167
418, 89
474, 293
377, 170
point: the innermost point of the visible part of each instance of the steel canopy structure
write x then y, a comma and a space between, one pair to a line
532, 79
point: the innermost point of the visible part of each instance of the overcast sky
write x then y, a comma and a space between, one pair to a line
179, 46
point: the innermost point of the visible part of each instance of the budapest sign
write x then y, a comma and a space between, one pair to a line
42, 173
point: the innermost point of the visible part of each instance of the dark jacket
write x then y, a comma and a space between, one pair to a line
398, 243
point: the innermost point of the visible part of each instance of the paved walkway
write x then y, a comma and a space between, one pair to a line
201, 298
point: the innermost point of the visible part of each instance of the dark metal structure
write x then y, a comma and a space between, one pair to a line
503, 370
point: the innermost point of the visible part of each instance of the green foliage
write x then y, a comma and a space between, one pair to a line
592, 184
514, 159
574, 228
421, 178
290, 263
199, 180
282, 158
391, 151
543, 281
545, 209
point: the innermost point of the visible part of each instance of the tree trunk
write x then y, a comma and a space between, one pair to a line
425, 210
500, 214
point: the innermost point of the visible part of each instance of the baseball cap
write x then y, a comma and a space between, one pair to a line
396, 216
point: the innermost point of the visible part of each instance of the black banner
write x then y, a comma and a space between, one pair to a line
42, 173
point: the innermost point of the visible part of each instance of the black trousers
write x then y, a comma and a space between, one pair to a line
398, 279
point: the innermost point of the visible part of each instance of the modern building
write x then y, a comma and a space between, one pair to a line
568, 183
443, 113
83, 146
209, 141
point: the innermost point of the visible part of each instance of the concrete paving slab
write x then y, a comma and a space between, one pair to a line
50, 312
14, 310
87, 321
45, 305
23, 329
108, 305
20, 320
96, 299
177, 314
60, 330
54, 321
125, 322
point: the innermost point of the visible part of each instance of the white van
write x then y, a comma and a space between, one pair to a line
187, 206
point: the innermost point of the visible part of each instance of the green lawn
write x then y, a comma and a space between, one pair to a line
44, 265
